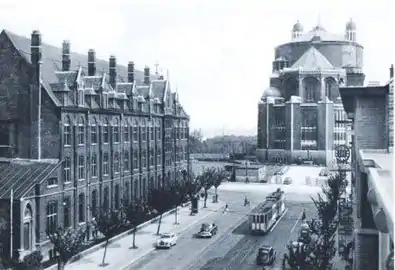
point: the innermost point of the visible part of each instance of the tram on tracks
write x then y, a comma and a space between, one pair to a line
263, 217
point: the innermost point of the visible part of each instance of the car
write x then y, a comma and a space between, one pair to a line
207, 230
324, 172
287, 181
266, 255
166, 240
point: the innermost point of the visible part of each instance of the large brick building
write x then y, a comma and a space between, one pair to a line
74, 138
301, 114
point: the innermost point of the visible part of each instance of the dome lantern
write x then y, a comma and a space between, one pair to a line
297, 30
351, 30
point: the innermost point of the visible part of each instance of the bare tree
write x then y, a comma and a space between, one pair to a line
206, 180
220, 175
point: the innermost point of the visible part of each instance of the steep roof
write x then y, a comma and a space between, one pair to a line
21, 176
52, 60
312, 59
319, 32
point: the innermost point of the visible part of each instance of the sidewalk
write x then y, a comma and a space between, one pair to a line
120, 255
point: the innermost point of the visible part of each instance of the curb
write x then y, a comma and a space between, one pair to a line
182, 231
117, 237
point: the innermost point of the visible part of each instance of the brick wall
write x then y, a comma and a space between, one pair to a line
370, 124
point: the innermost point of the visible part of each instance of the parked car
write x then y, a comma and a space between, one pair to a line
287, 181
266, 255
207, 230
167, 240
324, 172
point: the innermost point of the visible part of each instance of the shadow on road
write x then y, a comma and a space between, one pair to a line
242, 229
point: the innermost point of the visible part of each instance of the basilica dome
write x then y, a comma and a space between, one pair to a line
271, 92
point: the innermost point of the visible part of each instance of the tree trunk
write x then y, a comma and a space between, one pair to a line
60, 265
134, 237
160, 221
176, 216
105, 253
205, 198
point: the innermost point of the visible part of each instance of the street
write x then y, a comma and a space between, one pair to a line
233, 247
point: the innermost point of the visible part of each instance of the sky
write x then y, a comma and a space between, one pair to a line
218, 53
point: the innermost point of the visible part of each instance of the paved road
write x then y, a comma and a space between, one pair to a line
233, 247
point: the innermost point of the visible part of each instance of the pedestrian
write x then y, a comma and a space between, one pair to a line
226, 208
303, 215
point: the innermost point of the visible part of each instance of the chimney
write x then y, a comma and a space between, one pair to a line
35, 48
113, 71
146, 75
392, 71
66, 55
91, 62
131, 72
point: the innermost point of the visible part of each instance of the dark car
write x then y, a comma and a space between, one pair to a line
266, 255
207, 230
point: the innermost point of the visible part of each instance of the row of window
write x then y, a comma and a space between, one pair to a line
145, 133
137, 190
147, 159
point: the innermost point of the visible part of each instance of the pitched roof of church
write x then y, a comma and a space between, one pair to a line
312, 59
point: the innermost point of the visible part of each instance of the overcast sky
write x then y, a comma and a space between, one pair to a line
218, 52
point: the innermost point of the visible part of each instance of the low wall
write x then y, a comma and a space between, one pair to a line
321, 157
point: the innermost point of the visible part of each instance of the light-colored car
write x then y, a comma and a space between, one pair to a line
167, 240
207, 230
287, 181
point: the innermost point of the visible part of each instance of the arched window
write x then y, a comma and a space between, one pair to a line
151, 183
81, 97
106, 131
81, 167
158, 157
52, 216
135, 133
94, 203
106, 199
27, 228
81, 207
143, 132
311, 90
81, 133
94, 131
106, 167
159, 183
116, 131
117, 197
135, 160
67, 131
116, 163
126, 161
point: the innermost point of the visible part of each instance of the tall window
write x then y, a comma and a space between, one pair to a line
27, 228
126, 166
94, 165
151, 157
116, 163
135, 134
125, 133
135, 160
143, 133
158, 134
151, 133
94, 203
116, 131
116, 195
81, 97
106, 199
52, 216
81, 207
106, 132
81, 167
67, 131
106, 168
311, 87
66, 212
66, 170
143, 159
94, 132
159, 157
126, 192
81, 131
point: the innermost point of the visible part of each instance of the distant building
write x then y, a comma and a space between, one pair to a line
301, 116
74, 139
371, 110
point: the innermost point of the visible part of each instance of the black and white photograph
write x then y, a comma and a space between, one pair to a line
196, 135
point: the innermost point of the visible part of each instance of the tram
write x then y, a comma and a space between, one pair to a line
263, 217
